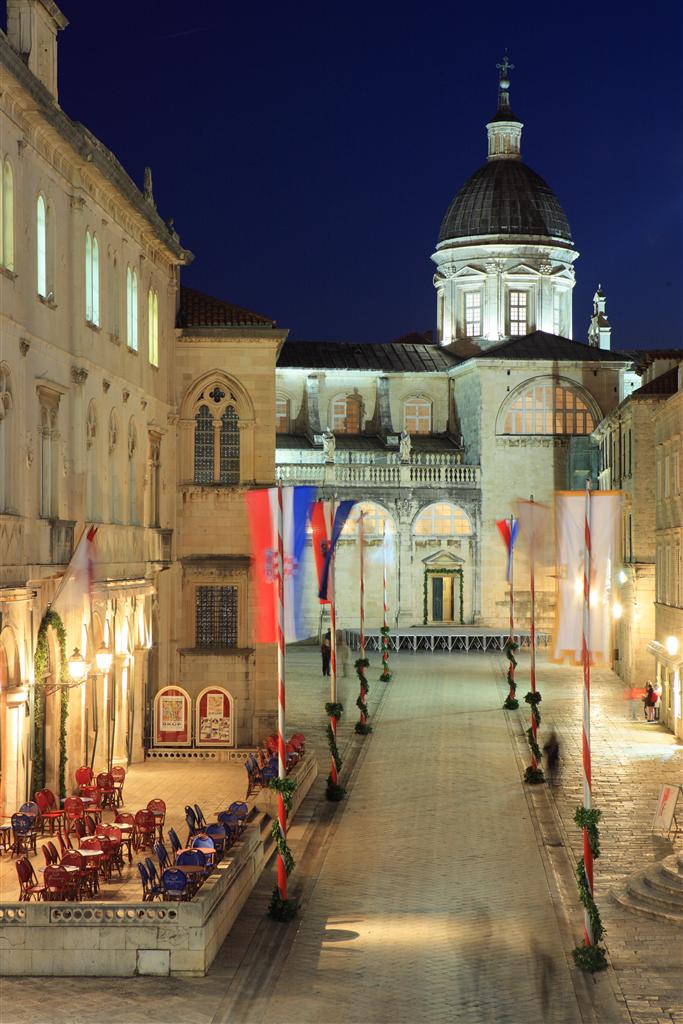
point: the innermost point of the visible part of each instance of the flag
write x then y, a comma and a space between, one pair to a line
605, 508
532, 520
340, 517
77, 581
509, 534
262, 506
321, 525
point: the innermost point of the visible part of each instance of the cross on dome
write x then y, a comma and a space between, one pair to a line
504, 67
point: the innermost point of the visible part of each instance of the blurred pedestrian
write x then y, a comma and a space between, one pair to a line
551, 749
634, 695
343, 649
649, 700
326, 652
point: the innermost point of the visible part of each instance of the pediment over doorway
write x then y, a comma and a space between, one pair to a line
443, 560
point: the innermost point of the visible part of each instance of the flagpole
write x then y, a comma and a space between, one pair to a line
386, 674
360, 664
512, 646
281, 753
585, 657
534, 774
333, 656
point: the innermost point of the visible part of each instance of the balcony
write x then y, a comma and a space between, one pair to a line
366, 469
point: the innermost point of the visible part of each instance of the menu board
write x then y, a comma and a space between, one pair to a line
214, 718
172, 717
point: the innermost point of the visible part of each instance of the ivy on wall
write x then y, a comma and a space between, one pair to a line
425, 590
41, 663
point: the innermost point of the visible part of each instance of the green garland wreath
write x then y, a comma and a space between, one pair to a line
362, 727
40, 666
332, 744
281, 910
532, 775
386, 674
286, 787
442, 572
511, 703
589, 957
282, 848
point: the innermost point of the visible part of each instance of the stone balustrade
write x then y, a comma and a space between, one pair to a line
420, 471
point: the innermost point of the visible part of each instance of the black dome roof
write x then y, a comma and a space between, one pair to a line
505, 197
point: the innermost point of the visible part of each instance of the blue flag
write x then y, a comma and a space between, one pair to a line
340, 517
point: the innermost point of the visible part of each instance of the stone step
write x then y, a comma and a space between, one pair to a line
637, 886
658, 884
671, 871
639, 905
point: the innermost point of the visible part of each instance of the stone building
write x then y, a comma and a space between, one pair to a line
112, 415
489, 410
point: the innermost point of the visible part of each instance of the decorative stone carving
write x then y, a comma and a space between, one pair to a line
329, 445
29, 450
405, 446
105, 386
403, 508
24, 346
79, 374
545, 268
172, 418
125, 395
143, 403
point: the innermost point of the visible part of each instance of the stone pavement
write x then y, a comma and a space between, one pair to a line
429, 895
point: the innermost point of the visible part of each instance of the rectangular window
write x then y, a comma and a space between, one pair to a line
518, 314
667, 476
417, 416
282, 415
216, 617
472, 314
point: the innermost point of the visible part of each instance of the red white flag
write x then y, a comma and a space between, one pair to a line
77, 582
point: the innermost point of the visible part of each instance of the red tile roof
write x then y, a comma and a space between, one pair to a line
200, 310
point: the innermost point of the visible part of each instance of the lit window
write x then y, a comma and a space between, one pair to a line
548, 409
6, 216
216, 617
472, 314
346, 415
92, 279
518, 313
153, 326
203, 446
417, 416
443, 519
375, 520
132, 309
41, 247
281, 415
229, 447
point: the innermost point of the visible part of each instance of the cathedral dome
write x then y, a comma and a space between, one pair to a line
505, 197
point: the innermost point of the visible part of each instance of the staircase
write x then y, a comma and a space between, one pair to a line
656, 892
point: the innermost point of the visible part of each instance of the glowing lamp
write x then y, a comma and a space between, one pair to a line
672, 645
103, 657
622, 576
78, 666
617, 610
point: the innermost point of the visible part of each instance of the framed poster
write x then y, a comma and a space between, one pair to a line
665, 815
172, 723
214, 713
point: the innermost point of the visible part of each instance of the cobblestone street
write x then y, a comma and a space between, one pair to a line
441, 889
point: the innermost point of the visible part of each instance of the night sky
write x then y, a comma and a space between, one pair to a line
308, 153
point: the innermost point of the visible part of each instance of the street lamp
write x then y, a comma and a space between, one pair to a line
103, 657
672, 645
78, 666
617, 610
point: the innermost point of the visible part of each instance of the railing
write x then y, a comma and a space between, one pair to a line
427, 472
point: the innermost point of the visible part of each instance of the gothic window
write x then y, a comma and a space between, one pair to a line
113, 296
133, 516
347, 414
153, 326
417, 416
472, 314
216, 617
155, 479
92, 279
132, 309
6, 450
217, 447
114, 468
442, 519
282, 414
41, 247
518, 313
549, 408
6, 215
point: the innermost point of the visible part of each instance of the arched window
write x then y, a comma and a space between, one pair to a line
6, 453
375, 520
417, 416
41, 247
113, 296
114, 466
132, 309
347, 414
133, 516
92, 473
282, 414
92, 279
7, 216
153, 326
217, 449
442, 519
548, 406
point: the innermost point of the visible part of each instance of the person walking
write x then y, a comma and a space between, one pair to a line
634, 695
650, 700
326, 652
551, 749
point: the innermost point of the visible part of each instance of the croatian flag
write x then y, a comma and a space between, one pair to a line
327, 542
262, 506
509, 535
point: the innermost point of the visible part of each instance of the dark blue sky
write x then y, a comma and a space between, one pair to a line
308, 152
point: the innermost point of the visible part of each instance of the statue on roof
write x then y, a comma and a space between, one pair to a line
405, 446
329, 445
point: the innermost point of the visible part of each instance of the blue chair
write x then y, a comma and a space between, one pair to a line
191, 812
174, 841
162, 856
193, 858
149, 889
201, 820
153, 876
23, 833
192, 826
175, 884
231, 824
241, 809
203, 840
219, 836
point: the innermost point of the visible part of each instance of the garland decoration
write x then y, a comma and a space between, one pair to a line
362, 727
41, 660
386, 674
511, 703
532, 775
334, 750
442, 572
282, 848
334, 709
286, 787
334, 791
589, 958
281, 910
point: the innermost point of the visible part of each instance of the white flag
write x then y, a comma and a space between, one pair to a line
76, 583
570, 508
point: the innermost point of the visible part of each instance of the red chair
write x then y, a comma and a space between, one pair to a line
95, 859
112, 844
28, 883
127, 834
105, 784
47, 854
60, 884
64, 843
118, 774
72, 858
49, 811
144, 834
84, 777
74, 810
158, 809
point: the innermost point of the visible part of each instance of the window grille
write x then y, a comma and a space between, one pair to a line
203, 446
216, 616
230, 447
518, 313
472, 314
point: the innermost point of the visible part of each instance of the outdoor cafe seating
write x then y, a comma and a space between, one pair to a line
49, 812
24, 834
